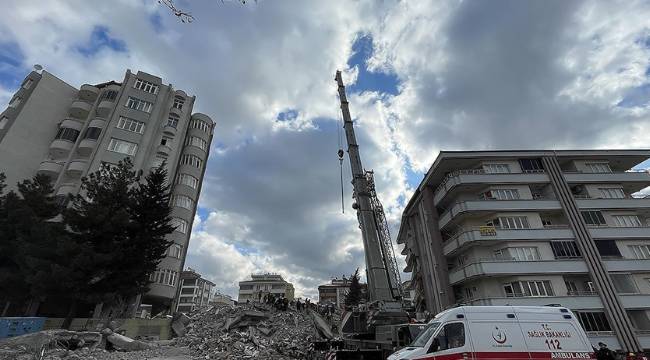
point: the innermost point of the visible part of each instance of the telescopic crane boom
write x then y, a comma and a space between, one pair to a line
383, 275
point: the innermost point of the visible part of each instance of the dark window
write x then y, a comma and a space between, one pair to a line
67, 134
531, 165
565, 249
451, 336
593, 321
607, 248
593, 217
172, 120
109, 95
93, 133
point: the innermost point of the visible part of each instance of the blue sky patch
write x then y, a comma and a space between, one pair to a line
413, 178
11, 60
100, 38
288, 115
156, 22
362, 49
637, 97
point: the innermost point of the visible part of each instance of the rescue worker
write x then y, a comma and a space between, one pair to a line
604, 353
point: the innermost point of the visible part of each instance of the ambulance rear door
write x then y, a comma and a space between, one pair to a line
496, 335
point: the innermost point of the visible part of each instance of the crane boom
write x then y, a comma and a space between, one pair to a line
382, 272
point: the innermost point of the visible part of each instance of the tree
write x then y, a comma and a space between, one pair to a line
120, 226
354, 295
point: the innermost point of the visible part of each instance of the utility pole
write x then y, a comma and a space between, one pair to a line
379, 285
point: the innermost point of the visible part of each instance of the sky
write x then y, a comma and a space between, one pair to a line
422, 76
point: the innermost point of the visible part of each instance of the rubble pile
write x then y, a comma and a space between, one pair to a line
248, 332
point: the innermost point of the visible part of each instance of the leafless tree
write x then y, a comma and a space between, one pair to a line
184, 16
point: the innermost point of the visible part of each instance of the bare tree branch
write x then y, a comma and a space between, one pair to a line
185, 16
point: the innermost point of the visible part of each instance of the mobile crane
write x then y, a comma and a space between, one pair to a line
370, 327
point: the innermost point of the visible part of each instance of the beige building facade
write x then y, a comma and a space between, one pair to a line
264, 284
562, 228
53, 128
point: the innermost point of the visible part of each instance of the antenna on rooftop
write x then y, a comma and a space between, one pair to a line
38, 68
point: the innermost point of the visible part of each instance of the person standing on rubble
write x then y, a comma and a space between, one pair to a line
298, 304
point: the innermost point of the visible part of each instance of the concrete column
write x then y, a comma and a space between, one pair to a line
614, 309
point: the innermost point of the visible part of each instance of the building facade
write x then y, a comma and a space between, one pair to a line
336, 291
536, 228
194, 291
264, 284
53, 128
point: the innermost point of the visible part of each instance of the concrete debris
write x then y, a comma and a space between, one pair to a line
250, 332
122, 342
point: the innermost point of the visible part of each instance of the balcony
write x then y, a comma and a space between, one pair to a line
86, 147
469, 236
169, 130
76, 167
479, 176
622, 204
60, 147
633, 265
65, 189
104, 108
599, 178
496, 206
492, 267
71, 123
613, 232
586, 301
88, 92
164, 150
50, 168
80, 109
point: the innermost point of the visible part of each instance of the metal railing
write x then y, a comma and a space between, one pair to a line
479, 172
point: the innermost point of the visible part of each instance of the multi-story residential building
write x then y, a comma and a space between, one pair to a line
223, 299
264, 284
53, 128
536, 228
409, 293
336, 291
194, 291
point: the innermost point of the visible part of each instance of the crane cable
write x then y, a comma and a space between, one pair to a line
340, 153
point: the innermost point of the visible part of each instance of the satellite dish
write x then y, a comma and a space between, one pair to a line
38, 68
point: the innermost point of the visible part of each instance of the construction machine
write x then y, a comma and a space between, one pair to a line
377, 323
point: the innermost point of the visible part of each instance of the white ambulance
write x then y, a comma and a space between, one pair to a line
500, 333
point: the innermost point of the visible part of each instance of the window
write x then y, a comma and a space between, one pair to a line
167, 141
512, 222
92, 133
518, 254
612, 193
188, 180
138, 104
15, 101
607, 248
67, 134
164, 277
640, 251
196, 141
624, 283
146, 86
180, 225
496, 168
178, 102
123, 147
182, 201
593, 218
27, 83
109, 95
598, 167
191, 160
245, 287
531, 165
172, 120
565, 249
130, 125
534, 288
626, 221
175, 251
451, 336
3, 122
200, 124
159, 160
571, 287
593, 320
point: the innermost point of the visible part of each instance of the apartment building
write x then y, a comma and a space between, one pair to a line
562, 228
264, 284
336, 291
53, 128
194, 291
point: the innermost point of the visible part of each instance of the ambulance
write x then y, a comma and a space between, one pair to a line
500, 332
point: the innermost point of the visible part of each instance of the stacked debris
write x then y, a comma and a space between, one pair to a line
248, 332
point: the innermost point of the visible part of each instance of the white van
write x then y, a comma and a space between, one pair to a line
500, 332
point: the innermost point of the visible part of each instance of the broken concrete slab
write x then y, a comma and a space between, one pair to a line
126, 343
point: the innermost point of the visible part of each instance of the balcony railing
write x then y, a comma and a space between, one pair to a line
479, 172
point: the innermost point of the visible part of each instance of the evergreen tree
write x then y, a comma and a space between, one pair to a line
354, 295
